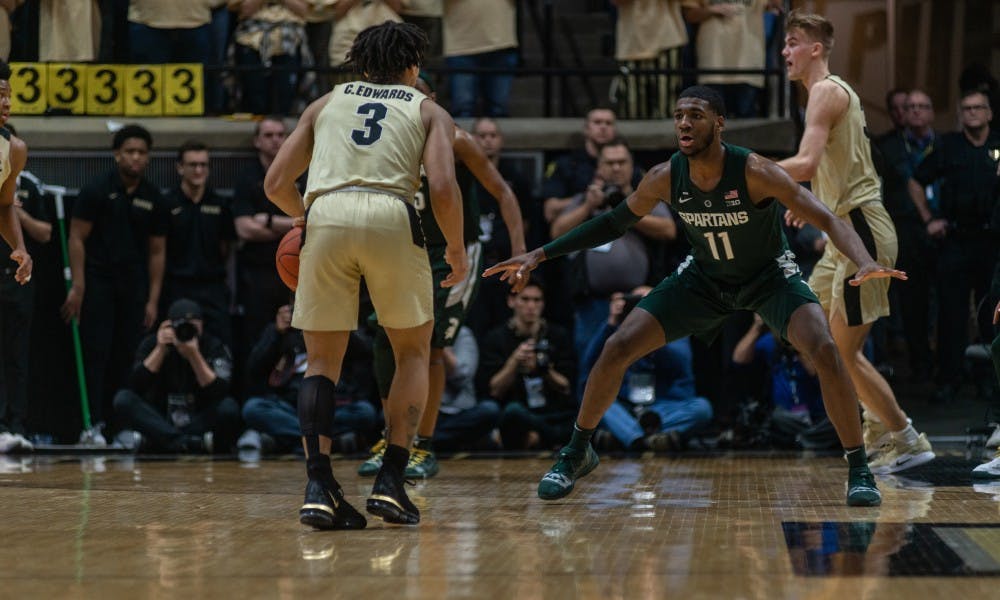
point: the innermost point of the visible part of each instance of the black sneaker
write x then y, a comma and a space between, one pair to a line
326, 509
389, 500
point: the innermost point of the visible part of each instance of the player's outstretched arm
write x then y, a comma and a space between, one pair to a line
472, 155
765, 179
446, 199
292, 161
594, 232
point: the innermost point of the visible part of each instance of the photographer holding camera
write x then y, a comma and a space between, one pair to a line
620, 265
177, 394
657, 407
528, 366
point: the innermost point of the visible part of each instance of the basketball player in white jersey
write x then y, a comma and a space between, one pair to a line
363, 144
835, 155
13, 155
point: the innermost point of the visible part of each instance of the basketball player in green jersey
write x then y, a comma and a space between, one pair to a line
450, 304
835, 154
363, 144
727, 198
13, 156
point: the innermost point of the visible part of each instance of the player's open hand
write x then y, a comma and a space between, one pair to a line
458, 260
793, 220
24, 266
517, 270
875, 271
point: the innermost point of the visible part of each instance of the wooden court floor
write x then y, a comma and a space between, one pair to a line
722, 526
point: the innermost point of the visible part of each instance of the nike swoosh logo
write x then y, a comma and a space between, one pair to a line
903, 461
684, 199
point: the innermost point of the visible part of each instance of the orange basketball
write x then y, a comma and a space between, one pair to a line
287, 258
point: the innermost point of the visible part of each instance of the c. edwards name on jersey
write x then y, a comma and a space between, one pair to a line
700, 219
377, 93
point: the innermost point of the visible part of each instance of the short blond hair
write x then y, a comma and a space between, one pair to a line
817, 27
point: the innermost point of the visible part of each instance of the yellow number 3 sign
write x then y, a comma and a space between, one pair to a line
132, 90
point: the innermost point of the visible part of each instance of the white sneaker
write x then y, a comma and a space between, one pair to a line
994, 440
901, 457
250, 440
23, 443
8, 442
93, 438
990, 470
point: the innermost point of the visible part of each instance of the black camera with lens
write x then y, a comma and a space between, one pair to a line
613, 195
542, 354
631, 300
184, 330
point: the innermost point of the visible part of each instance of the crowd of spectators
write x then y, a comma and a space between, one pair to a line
185, 325
274, 56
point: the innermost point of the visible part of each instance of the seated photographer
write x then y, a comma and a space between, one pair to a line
465, 421
656, 408
275, 369
177, 394
797, 416
528, 366
618, 266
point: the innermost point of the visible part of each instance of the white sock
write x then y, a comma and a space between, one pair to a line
907, 436
867, 415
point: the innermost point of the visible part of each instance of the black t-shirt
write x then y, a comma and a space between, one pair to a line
33, 203
968, 177
501, 342
569, 174
196, 233
118, 243
493, 230
177, 377
248, 200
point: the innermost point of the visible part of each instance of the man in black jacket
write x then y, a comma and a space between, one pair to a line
177, 394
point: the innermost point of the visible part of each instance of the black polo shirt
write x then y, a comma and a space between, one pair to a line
122, 224
571, 174
968, 177
248, 200
196, 234
33, 203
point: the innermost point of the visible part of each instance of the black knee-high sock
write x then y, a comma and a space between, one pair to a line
316, 406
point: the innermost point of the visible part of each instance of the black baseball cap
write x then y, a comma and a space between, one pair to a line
184, 309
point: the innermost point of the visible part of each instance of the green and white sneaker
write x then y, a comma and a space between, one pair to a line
422, 464
371, 467
861, 488
572, 465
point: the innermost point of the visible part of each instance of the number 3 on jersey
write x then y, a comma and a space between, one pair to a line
374, 112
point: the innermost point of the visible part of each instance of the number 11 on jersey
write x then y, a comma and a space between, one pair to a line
726, 247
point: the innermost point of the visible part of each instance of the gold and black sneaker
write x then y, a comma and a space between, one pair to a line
389, 500
325, 508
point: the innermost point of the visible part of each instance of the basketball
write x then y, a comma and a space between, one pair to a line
287, 258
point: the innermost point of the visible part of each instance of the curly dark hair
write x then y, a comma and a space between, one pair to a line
382, 52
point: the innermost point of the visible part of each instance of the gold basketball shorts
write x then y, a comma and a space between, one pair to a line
831, 275
360, 233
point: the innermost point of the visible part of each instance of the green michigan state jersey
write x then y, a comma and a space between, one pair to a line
732, 240
470, 208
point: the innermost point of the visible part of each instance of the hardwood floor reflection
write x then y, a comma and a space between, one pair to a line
705, 527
